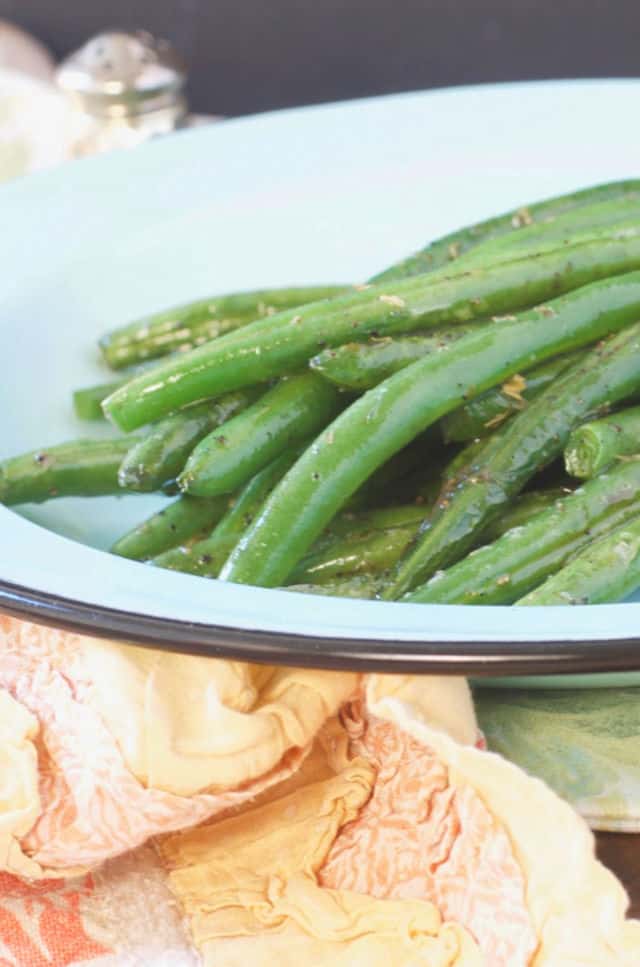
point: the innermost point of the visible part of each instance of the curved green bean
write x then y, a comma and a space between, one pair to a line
528, 442
160, 456
519, 560
184, 519
79, 468
445, 250
386, 418
593, 446
605, 571
270, 347
182, 327
295, 408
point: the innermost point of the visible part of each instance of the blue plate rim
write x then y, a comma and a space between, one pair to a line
477, 658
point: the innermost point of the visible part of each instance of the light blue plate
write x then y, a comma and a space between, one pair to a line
321, 194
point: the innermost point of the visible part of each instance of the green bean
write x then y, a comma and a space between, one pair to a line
369, 553
376, 519
593, 446
501, 572
444, 250
605, 571
270, 347
364, 524
521, 511
480, 415
206, 556
176, 331
386, 418
183, 327
293, 409
362, 586
162, 453
459, 464
585, 222
360, 366
185, 519
84, 468
531, 440
87, 402
367, 523
381, 538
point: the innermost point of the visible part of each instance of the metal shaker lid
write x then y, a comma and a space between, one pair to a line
116, 74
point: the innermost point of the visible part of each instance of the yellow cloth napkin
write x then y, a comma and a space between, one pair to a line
349, 819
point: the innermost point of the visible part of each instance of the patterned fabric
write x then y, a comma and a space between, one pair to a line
583, 743
121, 916
91, 806
471, 876
349, 819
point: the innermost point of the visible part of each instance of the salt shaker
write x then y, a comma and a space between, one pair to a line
125, 88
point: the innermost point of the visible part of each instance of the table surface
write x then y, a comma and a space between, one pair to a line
621, 853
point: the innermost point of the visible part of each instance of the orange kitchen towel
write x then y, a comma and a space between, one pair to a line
123, 915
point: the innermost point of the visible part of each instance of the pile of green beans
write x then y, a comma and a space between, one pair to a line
400, 439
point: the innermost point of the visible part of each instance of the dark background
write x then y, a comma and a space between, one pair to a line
254, 55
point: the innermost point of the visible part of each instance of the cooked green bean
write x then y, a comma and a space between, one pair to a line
501, 572
360, 366
270, 347
378, 540
206, 556
593, 446
183, 327
378, 519
444, 250
567, 228
521, 511
87, 402
185, 519
292, 410
80, 468
386, 418
605, 571
367, 523
480, 415
368, 553
528, 442
159, 456
459, 464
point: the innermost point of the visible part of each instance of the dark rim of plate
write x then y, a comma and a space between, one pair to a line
277, 648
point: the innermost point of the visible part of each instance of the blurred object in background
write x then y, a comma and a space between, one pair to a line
254, 55
117, 90
124, 88
33, 116
21, 52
